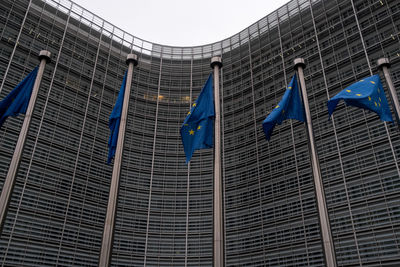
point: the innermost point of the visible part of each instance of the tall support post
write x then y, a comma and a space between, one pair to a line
44, 57
384, 65
216, 64
108, 232
327, 240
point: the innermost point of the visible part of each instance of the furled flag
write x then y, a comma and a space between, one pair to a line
198, 128
114, 122
367, 94
290, 107
17, 100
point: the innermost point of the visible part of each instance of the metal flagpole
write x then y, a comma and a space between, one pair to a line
329, 249
108, 232
216, 64
384, 65
44, 57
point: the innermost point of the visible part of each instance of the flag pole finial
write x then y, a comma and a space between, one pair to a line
299, 62
44, 54
216, 61
383, 62
132, 58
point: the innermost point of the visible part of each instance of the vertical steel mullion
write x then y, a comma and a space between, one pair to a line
7, 19
39, 130
361, 36
396, 31
11, 178
256, 140
336, 137
152, 159
327, 241
15, 46
291, 122
188, 174
223, 160
78, 152
109, 223
370, 70
99, 112
294, 143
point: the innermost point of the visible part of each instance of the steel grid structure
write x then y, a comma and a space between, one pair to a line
164, 210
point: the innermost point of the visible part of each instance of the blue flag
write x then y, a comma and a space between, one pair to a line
290, 107
114, 121
17, 100
198, 128
367, 94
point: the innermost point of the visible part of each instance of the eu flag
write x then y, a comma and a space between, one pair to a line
198, 128
367, 94
114, 122
290, 107
17, 100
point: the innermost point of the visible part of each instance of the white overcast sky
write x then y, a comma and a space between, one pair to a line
181, 22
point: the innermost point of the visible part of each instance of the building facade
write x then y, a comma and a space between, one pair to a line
164, 210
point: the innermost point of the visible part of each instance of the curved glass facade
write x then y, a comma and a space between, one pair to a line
164, 211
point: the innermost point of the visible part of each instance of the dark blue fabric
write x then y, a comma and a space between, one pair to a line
367, 94
290, 107
17, 100
197, 130
114, 122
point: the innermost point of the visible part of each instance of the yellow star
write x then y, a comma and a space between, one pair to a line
372, 82
199, 127
376, 104
369, 98
277, 106
358, 94
348, 91
189, 113
379, 104
191, 132
194, 104
289, 87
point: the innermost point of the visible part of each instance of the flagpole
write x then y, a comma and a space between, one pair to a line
108, 232
384, 65
216, 64
329, 249
44, 57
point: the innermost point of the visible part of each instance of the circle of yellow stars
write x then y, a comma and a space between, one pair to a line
191, 131
369, 98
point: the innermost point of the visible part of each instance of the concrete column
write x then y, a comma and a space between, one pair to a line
327, 240
216, 64
108, 233
384, 65
44, 57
